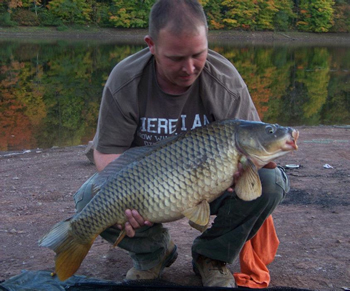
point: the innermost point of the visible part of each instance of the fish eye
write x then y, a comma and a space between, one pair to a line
270, 129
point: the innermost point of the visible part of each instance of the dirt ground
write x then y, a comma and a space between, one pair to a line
313, 222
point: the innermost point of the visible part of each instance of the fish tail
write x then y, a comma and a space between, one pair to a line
69, 251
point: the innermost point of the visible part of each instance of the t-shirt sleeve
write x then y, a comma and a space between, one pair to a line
225, 93
242, 106
119, 110
116, 124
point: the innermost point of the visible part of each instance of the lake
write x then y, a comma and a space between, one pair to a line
50, 91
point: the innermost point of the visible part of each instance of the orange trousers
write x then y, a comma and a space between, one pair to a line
255, 255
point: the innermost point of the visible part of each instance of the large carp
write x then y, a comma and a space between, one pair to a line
176, 177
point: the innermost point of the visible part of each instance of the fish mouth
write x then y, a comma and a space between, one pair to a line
291, 143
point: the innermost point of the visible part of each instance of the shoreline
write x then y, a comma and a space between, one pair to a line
137, 35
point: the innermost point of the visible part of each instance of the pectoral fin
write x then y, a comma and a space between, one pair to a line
248, 187
198, 215
201, 228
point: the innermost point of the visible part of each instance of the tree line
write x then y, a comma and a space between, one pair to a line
251, 15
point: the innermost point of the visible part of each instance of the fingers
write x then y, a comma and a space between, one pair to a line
135, 221
238, 173
134, 218
270, 165
231, 189
130, 232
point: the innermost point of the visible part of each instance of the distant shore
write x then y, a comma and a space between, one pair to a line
137, 35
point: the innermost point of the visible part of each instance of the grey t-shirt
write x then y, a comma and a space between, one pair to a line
136, 112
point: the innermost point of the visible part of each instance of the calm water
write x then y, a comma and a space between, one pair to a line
50, 91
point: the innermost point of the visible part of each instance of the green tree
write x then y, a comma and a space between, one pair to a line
101, 14
32, 4
266, 14
213, 11
256, 14
315, 16
341, 16
239, 13
71, 11
131, 13
283, 18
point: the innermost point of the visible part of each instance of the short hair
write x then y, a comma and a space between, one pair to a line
180, 15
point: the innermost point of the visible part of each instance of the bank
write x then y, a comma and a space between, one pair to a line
137, 35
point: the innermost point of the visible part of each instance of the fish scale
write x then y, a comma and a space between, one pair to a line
155, 173
176, 177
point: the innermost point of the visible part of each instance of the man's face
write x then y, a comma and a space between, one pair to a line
179, 58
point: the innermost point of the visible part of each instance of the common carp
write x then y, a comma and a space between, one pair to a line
174, 178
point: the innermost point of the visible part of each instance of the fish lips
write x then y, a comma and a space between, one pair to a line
291, 143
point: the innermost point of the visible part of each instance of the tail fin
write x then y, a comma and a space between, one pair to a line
69, 251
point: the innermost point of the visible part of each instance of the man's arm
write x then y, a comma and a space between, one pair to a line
102, 160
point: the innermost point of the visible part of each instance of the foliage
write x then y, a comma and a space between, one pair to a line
284, 16
5, 20
266, 14
30, 3
13, 4
315, 16
47, 18
131, 13
101, 15
25, 17
280, 15
5, 16
213, 10
71, 11
341, 18
257, 14
240, 14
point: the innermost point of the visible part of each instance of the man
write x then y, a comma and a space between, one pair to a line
175, 85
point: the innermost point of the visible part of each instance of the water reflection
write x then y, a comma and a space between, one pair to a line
50, 92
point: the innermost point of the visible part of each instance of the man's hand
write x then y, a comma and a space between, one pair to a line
135, 221
236, 177
270, 165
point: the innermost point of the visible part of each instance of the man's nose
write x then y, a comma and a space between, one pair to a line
188, 66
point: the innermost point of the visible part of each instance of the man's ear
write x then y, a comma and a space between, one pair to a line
150, 44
